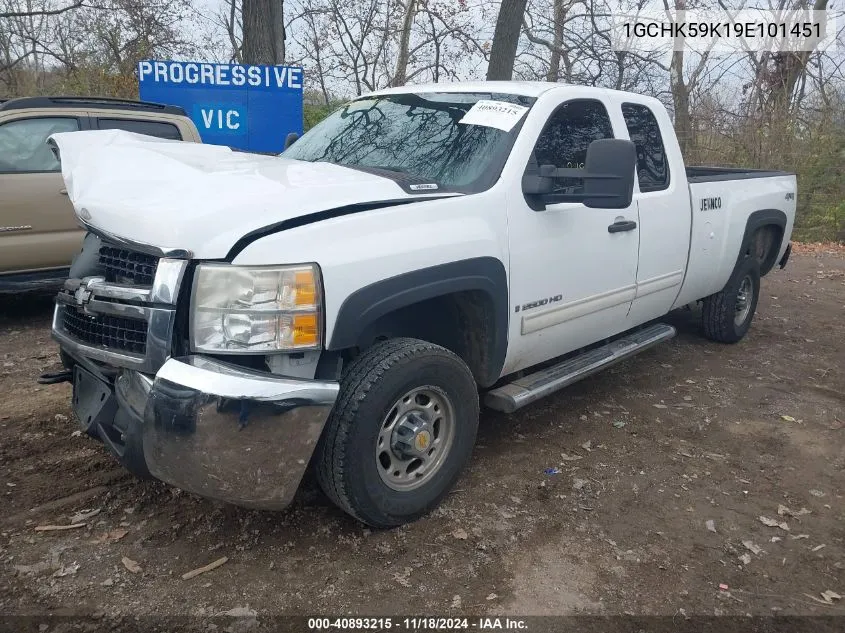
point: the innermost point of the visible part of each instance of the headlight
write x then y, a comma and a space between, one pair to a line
239, 309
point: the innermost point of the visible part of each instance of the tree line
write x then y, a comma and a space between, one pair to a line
768, 110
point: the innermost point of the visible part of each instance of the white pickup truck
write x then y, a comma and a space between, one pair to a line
233, 318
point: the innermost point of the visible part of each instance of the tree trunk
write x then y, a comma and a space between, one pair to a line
791, 66
401, 74
680, 101
505, 40
554, 63
680, 94
264, 32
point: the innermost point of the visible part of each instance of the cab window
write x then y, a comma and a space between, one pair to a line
652, 168
23, 144
566, 137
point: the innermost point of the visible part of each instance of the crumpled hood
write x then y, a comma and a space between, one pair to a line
202, 198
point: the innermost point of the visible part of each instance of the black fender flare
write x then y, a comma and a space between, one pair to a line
485, 274
758, 219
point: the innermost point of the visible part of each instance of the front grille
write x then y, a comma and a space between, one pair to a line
123, 266
119, 333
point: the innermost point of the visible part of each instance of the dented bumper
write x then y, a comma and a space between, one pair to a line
226, 432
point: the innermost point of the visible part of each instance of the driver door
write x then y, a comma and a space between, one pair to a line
572, 268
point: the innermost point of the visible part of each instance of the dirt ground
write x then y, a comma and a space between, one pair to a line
668, 466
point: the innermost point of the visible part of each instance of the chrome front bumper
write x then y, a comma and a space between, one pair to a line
226, 432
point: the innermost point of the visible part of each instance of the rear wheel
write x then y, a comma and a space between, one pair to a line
400, 433
727, 315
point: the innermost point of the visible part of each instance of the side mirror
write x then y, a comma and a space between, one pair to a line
290, 139
608, 177
611, 166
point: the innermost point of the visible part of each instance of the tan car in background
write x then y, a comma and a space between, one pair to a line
39, 234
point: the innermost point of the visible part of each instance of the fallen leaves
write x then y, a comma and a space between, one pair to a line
786, 512
827, 597
69, 570
577, 484
403, 578
752, 547
130, 565
814, 248
774, 523
830, 596
111, 536
787, 418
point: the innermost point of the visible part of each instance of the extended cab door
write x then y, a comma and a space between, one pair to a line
38, 228
572, 268
662, 196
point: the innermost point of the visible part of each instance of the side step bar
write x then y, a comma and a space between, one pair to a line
528, 389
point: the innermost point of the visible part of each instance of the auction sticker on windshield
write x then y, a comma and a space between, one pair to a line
498, 114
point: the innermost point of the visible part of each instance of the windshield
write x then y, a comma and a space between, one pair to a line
416, 134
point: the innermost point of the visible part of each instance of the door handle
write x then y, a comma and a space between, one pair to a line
63, 192
622, 225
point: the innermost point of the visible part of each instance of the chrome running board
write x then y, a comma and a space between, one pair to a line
528, 389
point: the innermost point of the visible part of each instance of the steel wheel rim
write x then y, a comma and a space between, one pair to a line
744, 297
415, 438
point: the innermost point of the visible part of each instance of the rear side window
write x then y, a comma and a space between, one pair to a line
23, 144
652, 168
150, 128
566, 137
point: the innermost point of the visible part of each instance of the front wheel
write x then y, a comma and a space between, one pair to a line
727, 315
400, 433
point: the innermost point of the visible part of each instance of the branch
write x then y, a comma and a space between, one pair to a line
26, 14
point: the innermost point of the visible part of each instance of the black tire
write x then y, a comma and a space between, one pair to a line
720, 310
345, 461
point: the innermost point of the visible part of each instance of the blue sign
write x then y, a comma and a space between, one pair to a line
247, 107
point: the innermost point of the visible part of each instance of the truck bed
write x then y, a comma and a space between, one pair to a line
712, 174
721, 208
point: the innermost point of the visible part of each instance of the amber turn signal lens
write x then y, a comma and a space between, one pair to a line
306, 288
305, 330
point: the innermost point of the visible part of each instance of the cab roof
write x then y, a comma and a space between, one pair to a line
522, 88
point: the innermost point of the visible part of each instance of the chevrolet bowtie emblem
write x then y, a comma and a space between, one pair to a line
82, 295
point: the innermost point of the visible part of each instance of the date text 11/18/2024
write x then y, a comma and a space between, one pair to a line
416, 624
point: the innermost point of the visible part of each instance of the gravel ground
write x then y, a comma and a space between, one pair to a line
695, 479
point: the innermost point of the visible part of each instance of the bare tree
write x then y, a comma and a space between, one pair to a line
29, 11
230, 18
506, 39
400, 75
263, 31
